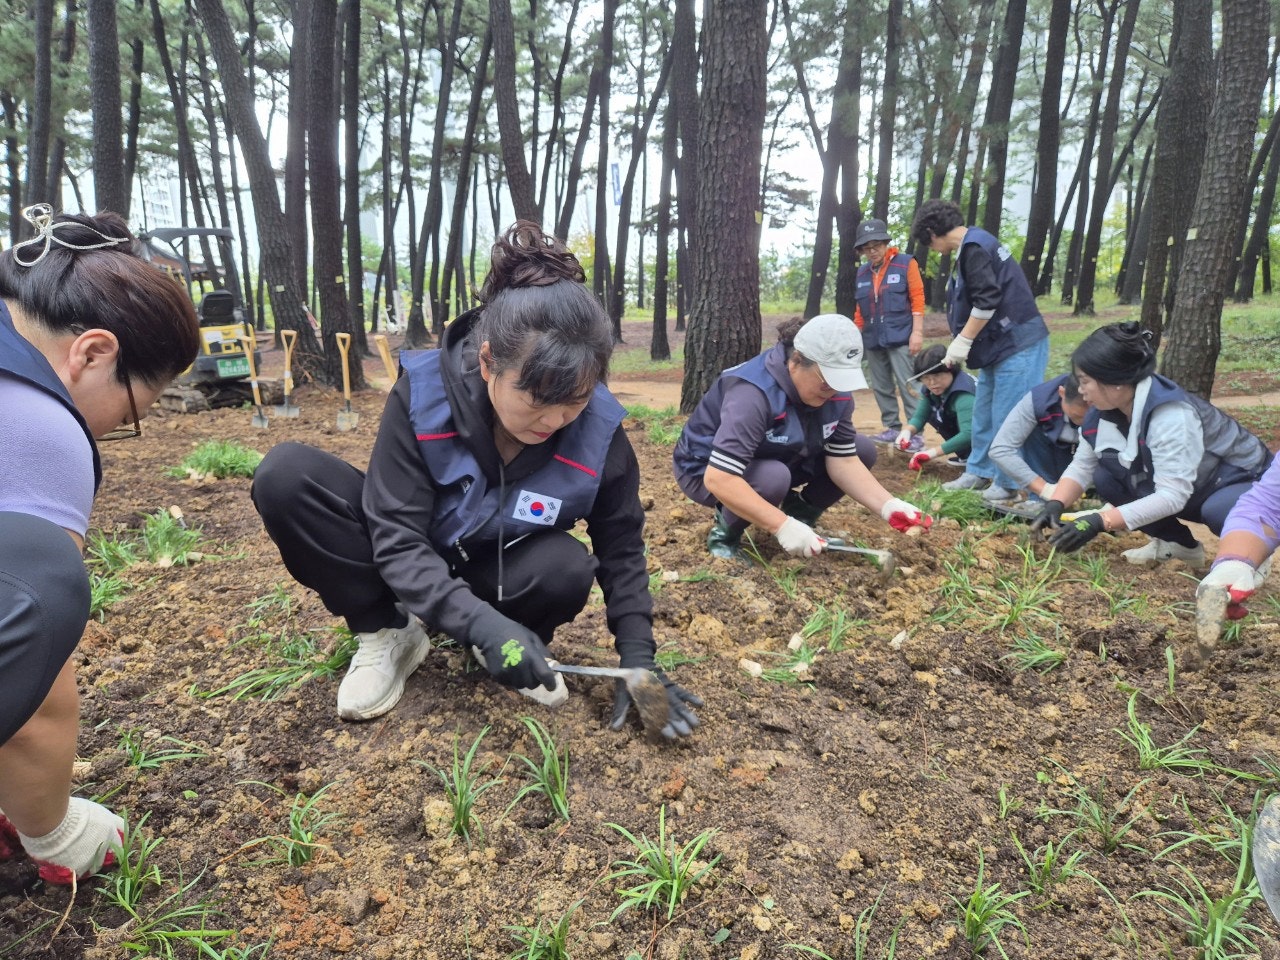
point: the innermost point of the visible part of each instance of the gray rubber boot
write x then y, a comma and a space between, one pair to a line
724, 541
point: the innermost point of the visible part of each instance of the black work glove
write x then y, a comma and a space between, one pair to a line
1073, 535
680, 702
513, 654
1050, 515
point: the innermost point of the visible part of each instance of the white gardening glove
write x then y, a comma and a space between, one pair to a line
798, 538
1238, 578
80, 845
902, 516
1046, 492
904, 438
958, 352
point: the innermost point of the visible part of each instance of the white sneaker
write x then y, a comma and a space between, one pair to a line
1160, 551
966, 481
375, 680
998, 493
548, 698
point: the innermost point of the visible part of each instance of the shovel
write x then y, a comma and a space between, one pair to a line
347, 418
288, 408
647, 692
381, 340
1266, 853
883, 558
250, 343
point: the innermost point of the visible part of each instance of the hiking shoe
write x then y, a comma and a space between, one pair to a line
375, 680
548, 698
83, 844
915, 444
998, 493
967, 481
724, 541
888, 435
1161, 551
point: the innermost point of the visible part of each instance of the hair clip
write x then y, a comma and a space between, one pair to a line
40, 216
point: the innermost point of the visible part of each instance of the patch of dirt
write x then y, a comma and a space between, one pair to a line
877, 775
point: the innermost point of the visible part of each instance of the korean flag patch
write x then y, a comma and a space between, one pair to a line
535, 508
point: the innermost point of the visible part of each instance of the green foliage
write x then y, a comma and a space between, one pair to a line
218, 458
172, 928
301, 842
549, 773
136, 872
166, 541
553, 943
986, 911
792, 666
1177, 757
964, 506
302, 660
833, 623
1049, 866
663, 426
464, 785
1214, 925
669, 656
1109, 822
666, 872
105, 590
1032, 652
139, 749
861, 937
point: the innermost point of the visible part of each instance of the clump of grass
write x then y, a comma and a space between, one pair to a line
861, 936
1215, 925
301, 842
1109, 822
549, 773
1007, 804
1177, 757
669, 656
663, 425
1033, 652
986, 911
792, 666
111, 554
144, 755
666, 872
464, 784
136, 872
171, 928
220, 459
105, 590
553, 943
964, 506
301, 660
1049, 866
833, 623
166, 541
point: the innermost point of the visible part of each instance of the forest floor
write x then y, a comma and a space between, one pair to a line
903, 767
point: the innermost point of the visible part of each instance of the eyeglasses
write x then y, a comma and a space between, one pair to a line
124, 431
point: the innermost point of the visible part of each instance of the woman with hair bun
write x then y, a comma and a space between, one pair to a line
1156, 452
490, 450
90, 334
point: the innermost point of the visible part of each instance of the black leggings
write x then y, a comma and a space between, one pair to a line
310, 504
44, 605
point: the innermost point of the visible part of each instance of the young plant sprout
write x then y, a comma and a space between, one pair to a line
665, 872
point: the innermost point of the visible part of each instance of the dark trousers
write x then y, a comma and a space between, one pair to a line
310, 504
1211, 510
44, 604
772, 479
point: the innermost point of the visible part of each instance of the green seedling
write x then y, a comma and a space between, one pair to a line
302, 662
663, 426
832, 623
965, 506
105, 590
666, 872
1214, 925
1109, 823
549, 774
1095, 569
986, 911
793, 665
861, 937
464, 784
553, 943
111, 555
1006, 804
306, 820
136, 872
218, 458
1033, 652
1177, 757
172, 928
1229, 835
256, 952
670, 656
140, 754
278, 603
166, 542
1049, 866
1026, 597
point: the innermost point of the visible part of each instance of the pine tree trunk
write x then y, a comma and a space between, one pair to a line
295, 157
1045, 194
109, 185
519, 182
999, 107
888, 110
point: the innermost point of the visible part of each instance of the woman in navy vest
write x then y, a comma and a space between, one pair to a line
89, 335
997, 328
489, 452
772, 442
946, 401
1157, 453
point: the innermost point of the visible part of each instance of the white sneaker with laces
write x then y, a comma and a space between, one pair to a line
548, 698
1161, 551
966, 481
998, 493
375, 680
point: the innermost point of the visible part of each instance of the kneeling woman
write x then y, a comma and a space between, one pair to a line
772, 442
946, 401
1155, 451
489, 451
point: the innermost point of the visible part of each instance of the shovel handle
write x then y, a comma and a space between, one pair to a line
344, 347
250, 341
290, 340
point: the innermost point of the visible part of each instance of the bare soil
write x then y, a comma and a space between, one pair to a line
878, 773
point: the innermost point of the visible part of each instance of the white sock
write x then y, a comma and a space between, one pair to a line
81, 842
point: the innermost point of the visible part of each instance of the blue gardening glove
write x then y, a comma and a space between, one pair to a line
512, 653
681, 718
1073, 535
1050, 516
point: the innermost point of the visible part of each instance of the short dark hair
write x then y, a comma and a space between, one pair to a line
935, 218
1071, 389
539, 317
930, 357
71, 289
1119, 353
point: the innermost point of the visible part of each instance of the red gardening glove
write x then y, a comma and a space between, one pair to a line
902, 516
919, 460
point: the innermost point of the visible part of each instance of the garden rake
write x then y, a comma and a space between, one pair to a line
347, 418
288, 409
250, 342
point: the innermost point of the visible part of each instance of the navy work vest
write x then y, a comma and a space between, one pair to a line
886, 314
21, 359
1051, 420
941, 413
468, 507
1231, 453
1017, 323
795, 435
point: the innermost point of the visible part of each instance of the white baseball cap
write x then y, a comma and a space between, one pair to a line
833, 342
